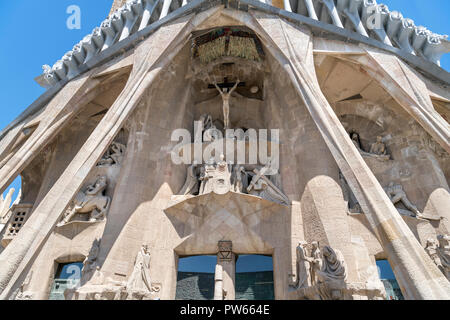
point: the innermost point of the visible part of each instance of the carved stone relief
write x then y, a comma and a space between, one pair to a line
397, 195
92, 201
439, 251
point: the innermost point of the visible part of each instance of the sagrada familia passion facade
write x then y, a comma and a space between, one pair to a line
310, 136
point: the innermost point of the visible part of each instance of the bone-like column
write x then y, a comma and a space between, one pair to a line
311, 10
417, 275
152, 56
332, 11
150, 6
352, 14
165, 8
60, 110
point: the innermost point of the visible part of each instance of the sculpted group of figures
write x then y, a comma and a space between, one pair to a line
137, 287
439, 251
222, 177
93, 200
320, 275
377, 150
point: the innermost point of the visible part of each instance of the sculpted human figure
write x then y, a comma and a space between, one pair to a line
114, 155
334, 267
378, 148
303, 277
226, 94
316, 262
91, 259
238, 185
90, 201
210, 132
140, 277
432, 249
261, 186
444, 254
356, 141
333, 274
396, 194
191, 184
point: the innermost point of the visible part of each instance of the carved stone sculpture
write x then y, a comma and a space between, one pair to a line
139, 284
89, 263
92, 201
439, 251
216, 177
444, 254
316, 261
210, 132
378, 148
191, 186
333, 275
261, 186
432, 249
226, 103
397, 194
238, 178
303, 267
114, 155
22, 293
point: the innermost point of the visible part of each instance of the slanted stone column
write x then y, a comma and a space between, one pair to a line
151, 57
225, 276
414, 270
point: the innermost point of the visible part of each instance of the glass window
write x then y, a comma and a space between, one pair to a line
387, 276
254, 278
68, 276
195, 279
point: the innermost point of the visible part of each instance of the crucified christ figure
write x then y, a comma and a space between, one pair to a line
226, 93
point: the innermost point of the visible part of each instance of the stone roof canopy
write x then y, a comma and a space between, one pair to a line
364, 17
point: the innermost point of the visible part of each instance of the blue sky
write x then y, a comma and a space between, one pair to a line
34, 33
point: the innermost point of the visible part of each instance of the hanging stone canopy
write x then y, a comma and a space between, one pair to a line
123, 176
229, 41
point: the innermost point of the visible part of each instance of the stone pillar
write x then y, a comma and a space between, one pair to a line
226, 264
218, 283
417, 275
151, 57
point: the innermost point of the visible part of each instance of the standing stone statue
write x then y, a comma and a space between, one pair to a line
356, 141
238, 172
90, 261
303, 269
191, 186
139, 280
432, 249
444, 254
226, 103
396, 194
92, 201
316, 262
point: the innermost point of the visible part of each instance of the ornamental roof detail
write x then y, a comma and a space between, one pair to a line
365, 17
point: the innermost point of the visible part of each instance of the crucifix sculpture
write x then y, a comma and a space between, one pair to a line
225, 92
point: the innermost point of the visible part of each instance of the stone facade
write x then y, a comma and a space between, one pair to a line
363, 170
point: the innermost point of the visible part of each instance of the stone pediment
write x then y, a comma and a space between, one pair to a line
202, 221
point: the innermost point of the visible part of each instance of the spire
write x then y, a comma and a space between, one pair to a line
116, 5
